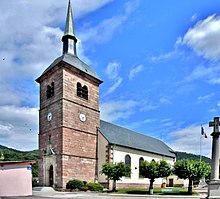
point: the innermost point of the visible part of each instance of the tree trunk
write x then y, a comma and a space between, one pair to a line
114, 186
190, 187
151, 185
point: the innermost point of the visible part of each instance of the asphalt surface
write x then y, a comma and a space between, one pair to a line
48, 193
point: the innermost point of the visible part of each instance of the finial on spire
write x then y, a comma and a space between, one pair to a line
69, 28
69, 39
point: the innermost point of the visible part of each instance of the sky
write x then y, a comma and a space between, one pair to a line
159, 61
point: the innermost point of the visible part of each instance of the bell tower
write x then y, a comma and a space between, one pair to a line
68, 117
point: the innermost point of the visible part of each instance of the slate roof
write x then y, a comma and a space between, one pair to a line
74, 61
124, 137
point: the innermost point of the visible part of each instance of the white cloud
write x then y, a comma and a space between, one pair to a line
167, 123
19, 127
106, 29
205, 98
137, 124
210, 74
5, 129
81, 53
112, 69
82, 7
9, 95
214, 81
147, 106
204, 38
112, 72
135, 71
116, 84
188, 140
178, 41
163, 57
194, 17
165, 101
199, 72
112, 111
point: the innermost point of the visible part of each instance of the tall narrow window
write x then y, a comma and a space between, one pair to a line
140, 163
49, 139
50, 90
82, 91
128, 162
85, 92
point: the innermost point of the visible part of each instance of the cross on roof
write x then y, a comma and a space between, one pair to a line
215, 124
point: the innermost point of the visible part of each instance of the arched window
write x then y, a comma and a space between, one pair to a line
140, 163
79, 91
50, 90
82, 91
85, 92
128, 162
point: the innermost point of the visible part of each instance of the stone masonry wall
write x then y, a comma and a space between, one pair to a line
79, 138
73, 141
78, 168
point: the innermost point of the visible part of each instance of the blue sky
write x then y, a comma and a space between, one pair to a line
159, 60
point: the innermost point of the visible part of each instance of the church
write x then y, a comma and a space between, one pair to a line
73, 141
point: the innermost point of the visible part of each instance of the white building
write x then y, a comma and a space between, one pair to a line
116, 144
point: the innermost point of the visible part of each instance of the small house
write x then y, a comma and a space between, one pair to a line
16, 178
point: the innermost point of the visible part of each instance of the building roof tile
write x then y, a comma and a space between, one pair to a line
124, 137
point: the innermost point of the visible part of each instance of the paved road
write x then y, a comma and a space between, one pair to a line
48, 193
98, 196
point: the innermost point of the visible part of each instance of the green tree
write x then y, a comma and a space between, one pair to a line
153, 170
192, 170
115, 171
15, 155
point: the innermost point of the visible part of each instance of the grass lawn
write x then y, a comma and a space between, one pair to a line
157, 191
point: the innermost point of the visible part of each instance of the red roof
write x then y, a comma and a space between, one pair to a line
2, 163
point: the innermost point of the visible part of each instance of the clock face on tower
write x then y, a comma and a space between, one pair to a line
82, 117
49, 117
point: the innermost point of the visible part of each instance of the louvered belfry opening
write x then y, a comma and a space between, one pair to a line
82, 91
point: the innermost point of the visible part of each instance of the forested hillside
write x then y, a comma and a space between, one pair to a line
190, 156
8, 154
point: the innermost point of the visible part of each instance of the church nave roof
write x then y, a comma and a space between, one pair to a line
124, 137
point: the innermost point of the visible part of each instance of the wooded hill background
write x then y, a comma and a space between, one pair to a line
9, 154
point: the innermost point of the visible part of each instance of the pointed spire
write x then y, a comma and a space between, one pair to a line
69, 28
69, 39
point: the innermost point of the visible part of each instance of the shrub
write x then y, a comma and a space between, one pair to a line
95, 186
84, 188
35, 182
74, 184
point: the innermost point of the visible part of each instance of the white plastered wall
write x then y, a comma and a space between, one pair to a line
119, 154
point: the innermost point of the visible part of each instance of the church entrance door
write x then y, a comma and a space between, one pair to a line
51, 176
170, 182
